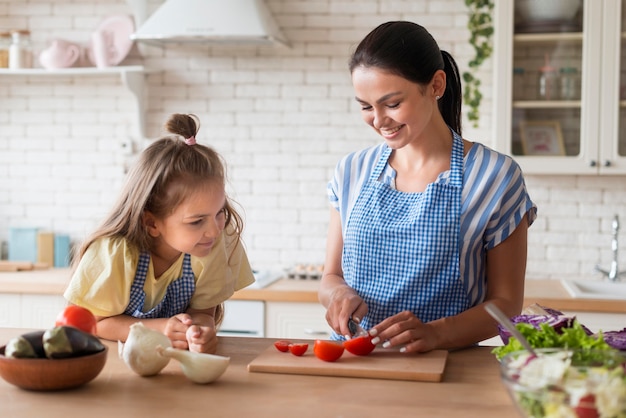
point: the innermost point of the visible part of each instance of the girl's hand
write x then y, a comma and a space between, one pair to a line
202, 339
176, 330
406, 331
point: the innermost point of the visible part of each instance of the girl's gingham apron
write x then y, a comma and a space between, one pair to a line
177, 297
401, 250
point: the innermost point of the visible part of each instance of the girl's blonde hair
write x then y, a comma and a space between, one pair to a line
165, 174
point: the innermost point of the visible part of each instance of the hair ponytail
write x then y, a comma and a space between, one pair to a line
450, 103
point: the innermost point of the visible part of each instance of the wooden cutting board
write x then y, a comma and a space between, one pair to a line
379, 364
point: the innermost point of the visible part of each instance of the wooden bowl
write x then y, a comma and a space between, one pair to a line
51, 374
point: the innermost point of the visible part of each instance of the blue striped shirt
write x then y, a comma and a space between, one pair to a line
494, 201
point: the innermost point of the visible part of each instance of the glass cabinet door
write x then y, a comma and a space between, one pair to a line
616, 152
546, 86
557, 83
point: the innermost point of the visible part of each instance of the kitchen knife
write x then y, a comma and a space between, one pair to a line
356, 330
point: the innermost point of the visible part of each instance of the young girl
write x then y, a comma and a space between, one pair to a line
169, 253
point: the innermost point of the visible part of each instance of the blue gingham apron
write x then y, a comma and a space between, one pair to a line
177, 297
401, 250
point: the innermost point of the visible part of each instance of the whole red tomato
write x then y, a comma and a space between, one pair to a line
327, 350
360, 346
77, 317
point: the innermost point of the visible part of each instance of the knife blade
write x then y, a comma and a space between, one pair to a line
356, 330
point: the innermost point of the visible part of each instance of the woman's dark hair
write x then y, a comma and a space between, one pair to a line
407, 49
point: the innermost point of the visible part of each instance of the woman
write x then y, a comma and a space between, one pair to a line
427, 226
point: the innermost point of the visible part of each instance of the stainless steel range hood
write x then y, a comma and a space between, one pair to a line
206, 21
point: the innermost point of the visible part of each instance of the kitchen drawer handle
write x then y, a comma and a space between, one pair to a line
309, 331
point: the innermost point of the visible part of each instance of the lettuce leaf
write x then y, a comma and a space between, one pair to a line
543, 335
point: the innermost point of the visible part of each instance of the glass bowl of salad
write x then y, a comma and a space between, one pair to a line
564, 383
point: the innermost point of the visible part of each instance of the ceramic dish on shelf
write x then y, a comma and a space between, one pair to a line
111, 42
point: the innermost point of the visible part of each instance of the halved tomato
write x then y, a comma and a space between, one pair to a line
282, 345
298, 349
327, 350
360, 346
587, 407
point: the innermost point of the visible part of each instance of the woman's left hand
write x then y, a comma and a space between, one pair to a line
406, 331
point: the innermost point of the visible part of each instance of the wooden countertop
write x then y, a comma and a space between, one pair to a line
548, 293
471, 386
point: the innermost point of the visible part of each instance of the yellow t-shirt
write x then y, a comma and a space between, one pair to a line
103, 278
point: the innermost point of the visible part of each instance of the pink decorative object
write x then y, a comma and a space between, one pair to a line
111, 42
60, 54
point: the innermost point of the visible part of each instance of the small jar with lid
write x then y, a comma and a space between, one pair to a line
570, 83
548, 83
20, 51
5, 43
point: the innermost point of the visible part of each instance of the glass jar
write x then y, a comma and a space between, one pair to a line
570, 83
518, 84
20, 51
548, 83
5, 43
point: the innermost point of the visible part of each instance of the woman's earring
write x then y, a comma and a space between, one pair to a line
437, 97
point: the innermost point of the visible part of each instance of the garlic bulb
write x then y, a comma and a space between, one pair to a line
139, 353
198, 367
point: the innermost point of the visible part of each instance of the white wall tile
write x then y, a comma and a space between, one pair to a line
282, 118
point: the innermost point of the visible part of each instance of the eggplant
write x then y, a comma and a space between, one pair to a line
65, 341
29, 345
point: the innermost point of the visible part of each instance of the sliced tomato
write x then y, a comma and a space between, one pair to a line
282, 345
77, 317
360, 346
587, 407
327, 350
298, 349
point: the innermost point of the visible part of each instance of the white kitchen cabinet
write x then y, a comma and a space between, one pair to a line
296, 320
30, 310
243, 318
132, 76
592, 138
10, 310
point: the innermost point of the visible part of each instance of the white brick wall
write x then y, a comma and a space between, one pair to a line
281, 117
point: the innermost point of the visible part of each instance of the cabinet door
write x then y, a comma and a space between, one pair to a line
243, 318
296, 320
10, 305
612, 158
553, 110
40, 311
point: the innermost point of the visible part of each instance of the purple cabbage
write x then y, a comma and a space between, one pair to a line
616, 339
556, 319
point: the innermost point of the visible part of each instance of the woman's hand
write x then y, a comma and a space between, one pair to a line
406, 331
344, 303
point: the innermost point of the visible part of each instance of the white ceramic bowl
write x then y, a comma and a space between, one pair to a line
536, 11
